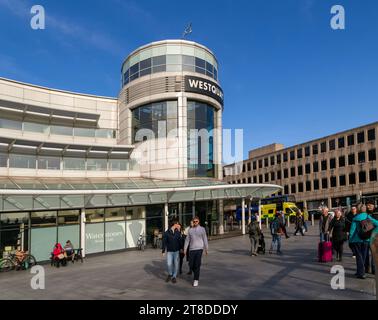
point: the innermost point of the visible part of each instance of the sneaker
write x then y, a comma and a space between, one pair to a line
174, 280
354, 257
361, 277
168, 279
195, 283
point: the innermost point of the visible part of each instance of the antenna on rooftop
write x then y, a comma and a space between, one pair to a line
188, 30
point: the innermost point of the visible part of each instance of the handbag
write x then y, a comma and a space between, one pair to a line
61, 256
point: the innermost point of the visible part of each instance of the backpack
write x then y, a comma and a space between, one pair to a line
253, 229
366, 229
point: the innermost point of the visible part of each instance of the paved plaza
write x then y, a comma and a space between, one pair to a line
228, 272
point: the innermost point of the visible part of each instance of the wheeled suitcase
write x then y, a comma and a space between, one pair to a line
325, 251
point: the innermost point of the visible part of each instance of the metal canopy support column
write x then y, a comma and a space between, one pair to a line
221, 216
260, 219
243, 215
82, 231
193, 209
166, 213
249, 210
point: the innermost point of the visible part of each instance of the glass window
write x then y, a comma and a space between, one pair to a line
315, 149
49, 163
361, 157
144, 64
10, 124
292, 172
342, 161
134, 69
324, 165
372, 155
351, 140
115, 214
94, 215
118, 164
279, 175
299, 153
133, 213
97, 164
200, 63
22, 161
285, 157
292, 155
361, 137
373, 175
67, 131
308, 185
371, 134
254, 165
333, 182
286, 173
161, 68
324, 183
342, 180
188, 60
323, 147
272, 160
300, 170
307, 151
105, 133
174, 59
300, 187
362, 177
308, 168
36, 127
341, 142
159, 60
145, 72
352, 178
278, 159
73, 164
272, 176
315, 166
3, 160
351, 159
293, 188
266, 177
43, 219
266, 162
68, 217
286, 189
316, 184
84, 132
332, 144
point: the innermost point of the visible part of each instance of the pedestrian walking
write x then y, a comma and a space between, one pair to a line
305, 218
171, 248
187, 251
182, 243
338, 230
324, 222
196, 241
276, 232
299, 223
282, 220
361, 231
254, 234
369, 261
348, 223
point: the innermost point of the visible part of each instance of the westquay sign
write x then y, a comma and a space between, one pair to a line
203, 86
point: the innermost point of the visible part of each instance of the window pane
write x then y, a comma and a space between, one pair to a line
84, 132
174, 59
49, 163
22, 161
97, 164
94, 215
159, 60
73, 164
10, 124
36, 127
188, 60
118, 164
67, 131
144, 64
43, 219
115, 214
3, 160
68, 217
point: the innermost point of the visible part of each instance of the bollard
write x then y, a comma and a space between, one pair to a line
225, 225
288, 221
240, 225
267, 223
312, 220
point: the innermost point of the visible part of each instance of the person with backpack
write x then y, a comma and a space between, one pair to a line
360, 233
276, 232
299, 223
254, 234
338, 231
369, 261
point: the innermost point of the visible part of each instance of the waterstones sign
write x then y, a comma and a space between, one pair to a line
203, 86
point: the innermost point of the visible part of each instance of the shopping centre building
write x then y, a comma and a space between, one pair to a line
102, 171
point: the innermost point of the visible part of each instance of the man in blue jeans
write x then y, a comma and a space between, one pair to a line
172, 244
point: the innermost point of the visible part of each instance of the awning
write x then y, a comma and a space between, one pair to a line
45, 195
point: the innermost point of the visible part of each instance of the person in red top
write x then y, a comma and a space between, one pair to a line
58, 254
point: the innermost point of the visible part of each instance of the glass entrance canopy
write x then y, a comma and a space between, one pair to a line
21, 194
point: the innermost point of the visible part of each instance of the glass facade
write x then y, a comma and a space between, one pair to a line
169, 58
159, 117
46, 129
201, 118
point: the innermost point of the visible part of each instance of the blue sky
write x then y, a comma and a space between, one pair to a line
287, 76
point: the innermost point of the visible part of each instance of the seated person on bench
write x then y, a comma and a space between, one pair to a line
69, 249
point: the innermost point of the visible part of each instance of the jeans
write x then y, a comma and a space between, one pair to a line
195, 257
254, 244
361, 249
276, 240
305, 226
173, 263
324, 236
299, 229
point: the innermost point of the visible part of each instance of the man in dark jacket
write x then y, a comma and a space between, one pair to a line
172, 244
254, 234
299, 223
282, 220
348, 222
